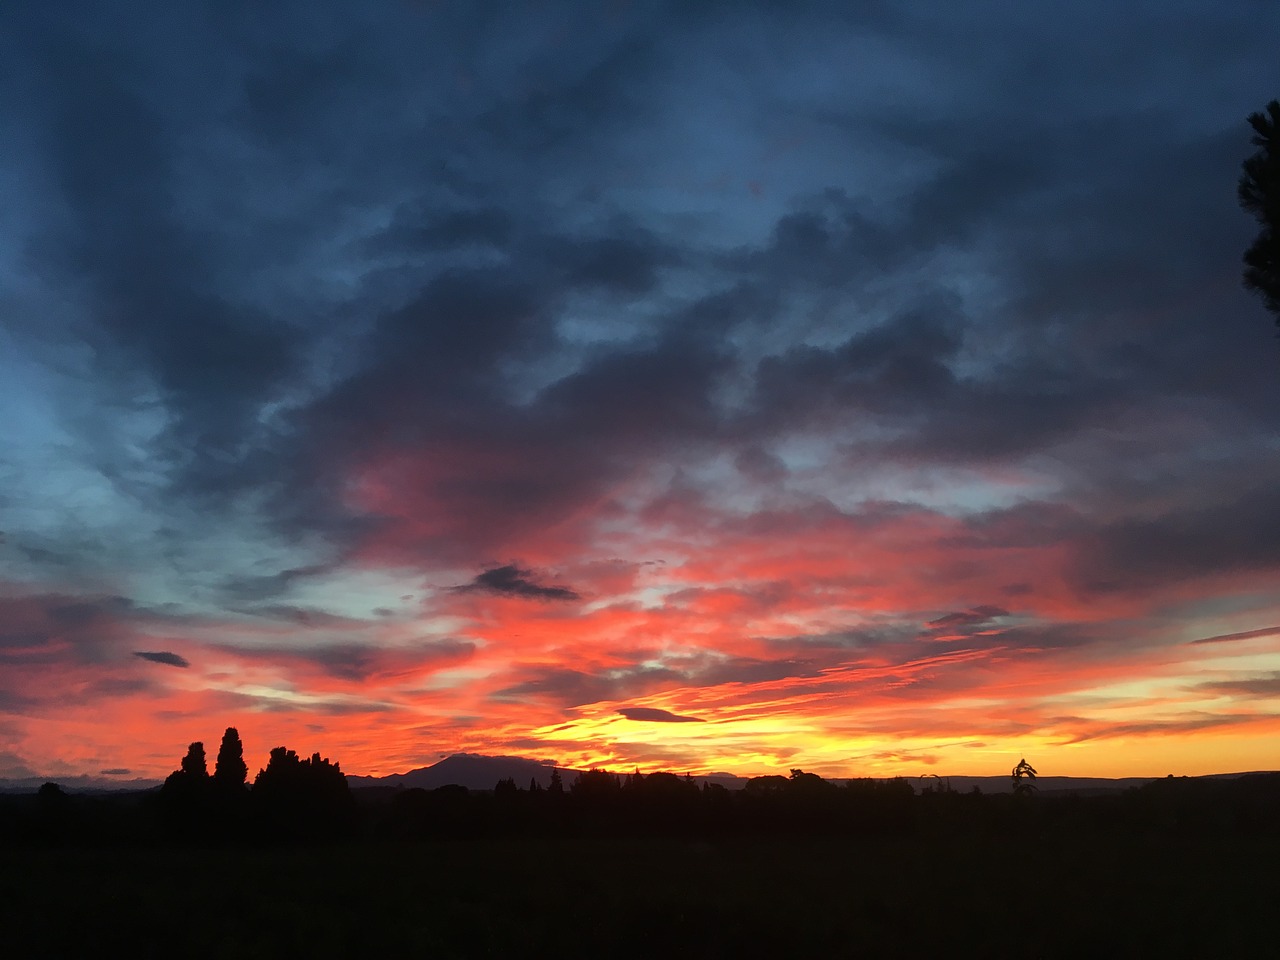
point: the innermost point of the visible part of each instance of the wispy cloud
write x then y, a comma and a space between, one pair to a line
656, 715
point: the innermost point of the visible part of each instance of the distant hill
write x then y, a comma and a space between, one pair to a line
471, 770
479, 772
81, 784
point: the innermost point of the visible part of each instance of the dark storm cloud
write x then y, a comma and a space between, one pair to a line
1239, 535
164, 306
415, 229
634, 401
655, 715
476, 176
292, 96
626, 260
163, 656
154, 296
906, 372
452, 334
512, 580
902, 366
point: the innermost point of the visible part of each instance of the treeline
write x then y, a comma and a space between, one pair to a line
291, 800
296, 800
601, 803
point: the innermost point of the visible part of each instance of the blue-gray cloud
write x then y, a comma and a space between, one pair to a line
163, 656
425, 286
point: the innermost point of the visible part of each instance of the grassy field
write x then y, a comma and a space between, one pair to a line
1057, 897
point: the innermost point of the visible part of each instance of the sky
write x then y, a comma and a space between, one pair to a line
866, 388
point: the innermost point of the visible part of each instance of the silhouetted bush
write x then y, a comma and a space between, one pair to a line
296, 799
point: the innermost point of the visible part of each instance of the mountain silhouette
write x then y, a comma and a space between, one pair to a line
471, 770
477, 771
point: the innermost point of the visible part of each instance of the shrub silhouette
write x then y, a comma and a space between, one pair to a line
296, 799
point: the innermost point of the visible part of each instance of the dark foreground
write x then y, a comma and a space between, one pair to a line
1056, 895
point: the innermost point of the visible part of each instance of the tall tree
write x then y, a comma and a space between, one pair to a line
193, 764
229, 769
1259, 194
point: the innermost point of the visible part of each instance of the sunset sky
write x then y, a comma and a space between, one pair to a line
861, 387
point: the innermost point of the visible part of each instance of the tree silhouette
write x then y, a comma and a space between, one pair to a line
807, 783
298, 798
51, 793
1259, 194
230, 770
184, 798
194, 764
1024, 777
596, 785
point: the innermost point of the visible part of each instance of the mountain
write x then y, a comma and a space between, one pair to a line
471, 770
479, 772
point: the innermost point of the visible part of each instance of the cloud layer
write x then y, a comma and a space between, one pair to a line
872, 384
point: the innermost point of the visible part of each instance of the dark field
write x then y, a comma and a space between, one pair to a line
1055, 895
